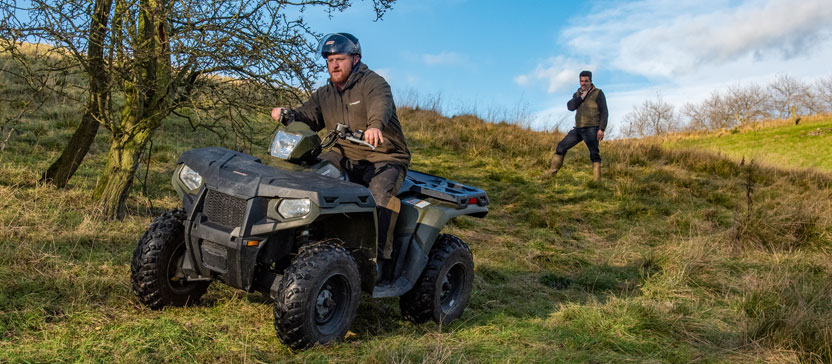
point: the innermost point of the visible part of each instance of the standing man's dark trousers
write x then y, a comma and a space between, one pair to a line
589, 135
384, 181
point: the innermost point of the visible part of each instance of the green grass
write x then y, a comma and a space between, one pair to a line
806, 145
660, 262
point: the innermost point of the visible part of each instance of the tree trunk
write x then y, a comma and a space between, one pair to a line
95, 113
62, 169
145, 103
114, 183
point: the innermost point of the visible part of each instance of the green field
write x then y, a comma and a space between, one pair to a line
806, 145
677, 256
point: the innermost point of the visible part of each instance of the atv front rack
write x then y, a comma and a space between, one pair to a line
444, 189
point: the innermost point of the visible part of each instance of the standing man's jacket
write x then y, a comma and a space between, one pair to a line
592, 110
365, 102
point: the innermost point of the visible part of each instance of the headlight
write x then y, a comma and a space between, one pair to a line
190, 178
296, 207
283, 144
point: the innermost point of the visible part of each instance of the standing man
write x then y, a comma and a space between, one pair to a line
590, 123
361, 99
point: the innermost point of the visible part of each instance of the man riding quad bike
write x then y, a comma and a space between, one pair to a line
301, 234
305, 234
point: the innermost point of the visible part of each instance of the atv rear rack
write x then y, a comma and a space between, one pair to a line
444, 189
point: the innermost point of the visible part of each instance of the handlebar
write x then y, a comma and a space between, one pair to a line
287, 116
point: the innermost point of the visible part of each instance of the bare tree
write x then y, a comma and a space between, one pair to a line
693, 117
823, 94
717, 112
653, 117
746, 103
159, 53
633, 127
784, 97
789, 97
98, 101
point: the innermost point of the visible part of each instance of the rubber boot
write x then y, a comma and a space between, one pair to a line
596, 171
387, 217
557, 162
386, 225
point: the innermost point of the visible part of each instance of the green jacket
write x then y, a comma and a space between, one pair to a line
591, 111
365, 102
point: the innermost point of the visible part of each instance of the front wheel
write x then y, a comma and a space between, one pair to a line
155, 269
318, 296
443, 289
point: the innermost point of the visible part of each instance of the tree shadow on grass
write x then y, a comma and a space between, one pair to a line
602, 280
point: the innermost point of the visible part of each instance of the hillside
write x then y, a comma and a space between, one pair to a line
807, 144
676, 256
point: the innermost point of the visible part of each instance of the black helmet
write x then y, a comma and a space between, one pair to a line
339, 43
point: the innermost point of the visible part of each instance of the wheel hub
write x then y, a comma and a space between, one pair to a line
451, 286
176, 277
325, 304
446, 287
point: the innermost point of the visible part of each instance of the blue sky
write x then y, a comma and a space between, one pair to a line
507, 58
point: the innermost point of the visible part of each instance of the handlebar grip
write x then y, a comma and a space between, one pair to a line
354, 140
286, 117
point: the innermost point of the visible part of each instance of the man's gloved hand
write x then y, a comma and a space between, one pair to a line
373, 136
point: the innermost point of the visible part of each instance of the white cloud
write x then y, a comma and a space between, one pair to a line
522, 80
444, 58
672, 38
560, 73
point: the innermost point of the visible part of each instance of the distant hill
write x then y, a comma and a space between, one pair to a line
781, 143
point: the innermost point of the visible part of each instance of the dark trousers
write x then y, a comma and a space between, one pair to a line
384, 180
589, 135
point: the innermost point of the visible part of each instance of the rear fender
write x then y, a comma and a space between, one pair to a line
425, 218
433, 215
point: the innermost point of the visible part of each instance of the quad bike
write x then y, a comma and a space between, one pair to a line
303, 235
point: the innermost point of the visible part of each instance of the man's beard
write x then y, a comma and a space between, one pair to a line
340, 77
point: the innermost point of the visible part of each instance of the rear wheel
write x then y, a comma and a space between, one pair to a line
443, 289
318, 296
155, 270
